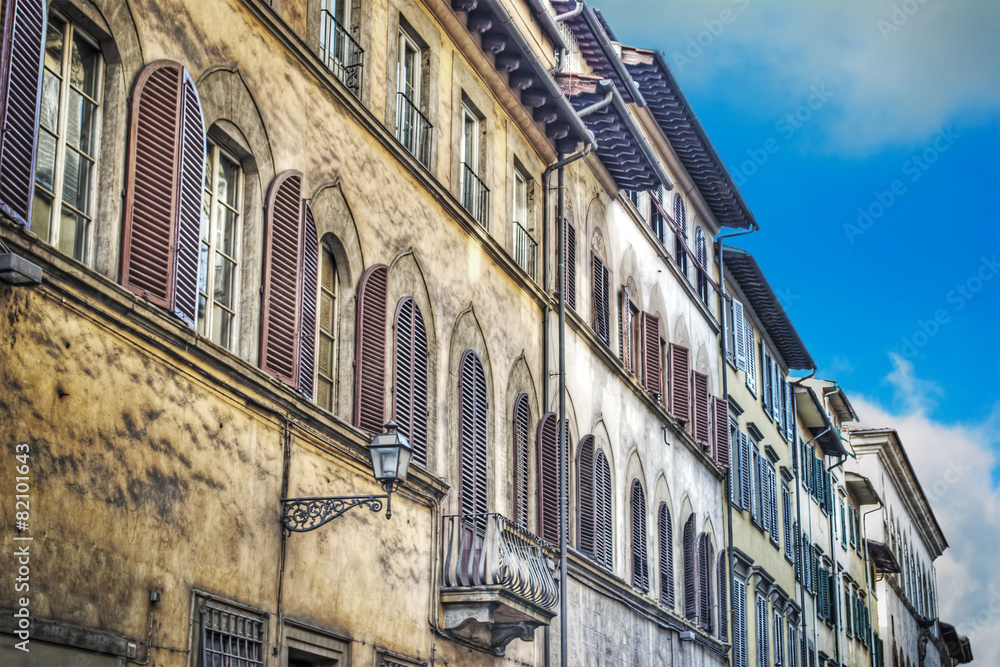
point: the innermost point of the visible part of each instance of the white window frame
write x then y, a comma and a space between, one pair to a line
406, 42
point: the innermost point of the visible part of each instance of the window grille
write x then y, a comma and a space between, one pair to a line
229, 639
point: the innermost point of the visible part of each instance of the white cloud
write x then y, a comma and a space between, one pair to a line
891, 85
954, 463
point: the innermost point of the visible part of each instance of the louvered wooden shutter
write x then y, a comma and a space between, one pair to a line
369, 350
602, 320
279, 340
720, 421
690, 595
723, 600
307, 309
189, 206
678, 388
765, 379
699, 396
472, 425
705, 582
625, 330
548, 477
740, 623
522, 418
772, 488
789, 413
665, 532
762, 653
150, 235
786, 510
570, 264
410, 373
739, 335
640, 567
776, 393
20, 82
765, 495
651, 363
746, 472
603, 528
751, 363
585, 494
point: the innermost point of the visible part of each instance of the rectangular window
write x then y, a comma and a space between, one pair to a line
413, 129
218, 274
327, 354
524, 244
408, 81
475, 194
340, 52
69, 120
763, 652
230, 637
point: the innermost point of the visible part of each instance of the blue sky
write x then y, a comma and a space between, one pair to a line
825, 107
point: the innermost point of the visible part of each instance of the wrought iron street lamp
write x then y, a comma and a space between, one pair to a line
390, 452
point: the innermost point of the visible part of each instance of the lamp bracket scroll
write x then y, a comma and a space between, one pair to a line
300, 515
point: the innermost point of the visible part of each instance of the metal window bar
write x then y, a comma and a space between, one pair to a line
504, 555
682, 247
229, 639
525, 249
341, 53
413, 129
475, 196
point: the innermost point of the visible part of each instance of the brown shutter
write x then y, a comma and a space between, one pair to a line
690, 597
601, 317
720, 420
522, 417
666, 547
625, 329
640, 568
651, 361
410, 376
151, 197
702, 434
191, 182
307, 309
20, 82
369, 350
570, 265
585, 494
472, 415
548, 478
604, 547
280, 293
705, 582
679, 392
723, 600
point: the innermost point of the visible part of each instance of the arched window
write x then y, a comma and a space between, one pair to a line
665, 531
705, 559
602, 510
640, 567
410, 371
369, 350
548, 478
585, 477
522, 417
724, 600
326, 354
472, 428
680, 243
690, 570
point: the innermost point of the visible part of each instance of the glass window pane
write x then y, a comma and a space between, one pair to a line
85, 64
48, 113
54, 44
225, 230
73, 235
45, 170
326, 270
222, 324
325, 355
201, 314
324, 394
80, 122
41, 215
76, 181
206, 208
203, 269
209, 156
325, 311
229, 174
224, 270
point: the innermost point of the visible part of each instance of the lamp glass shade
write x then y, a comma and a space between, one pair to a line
390, 454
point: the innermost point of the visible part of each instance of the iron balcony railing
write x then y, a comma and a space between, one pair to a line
341, 53
491, 550
475, 196
413, 129
525, 249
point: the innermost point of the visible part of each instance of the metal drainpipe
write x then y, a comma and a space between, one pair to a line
870, 583
559, 165
726, 488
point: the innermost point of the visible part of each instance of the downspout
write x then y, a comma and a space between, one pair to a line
727, 487
563, 48
589, 144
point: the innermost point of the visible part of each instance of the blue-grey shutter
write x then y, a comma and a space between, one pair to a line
789, 413
765, 379
786, 510
751, 363
739, 335
746, 473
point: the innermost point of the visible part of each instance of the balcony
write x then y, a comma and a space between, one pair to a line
497, 584
413, 129
525, 249
341, 54
475, 196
